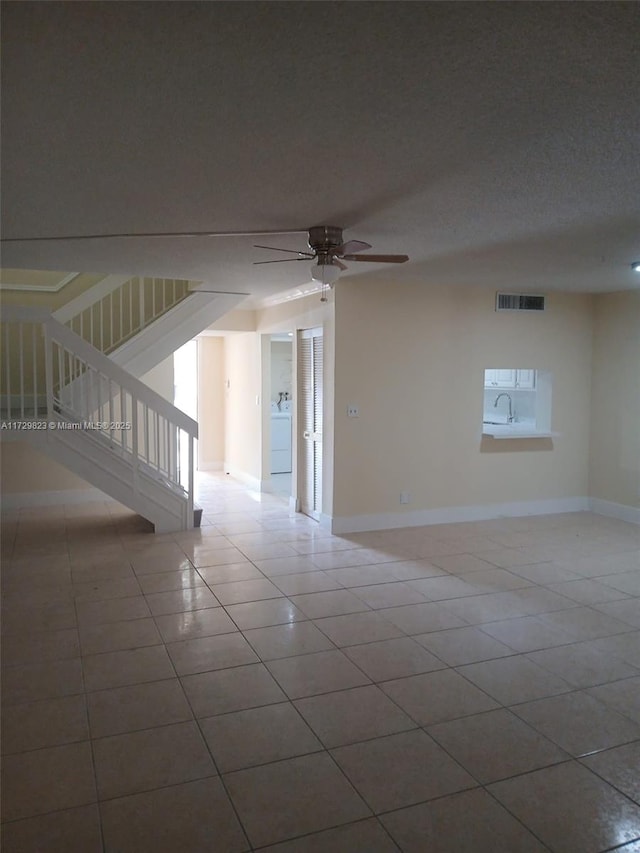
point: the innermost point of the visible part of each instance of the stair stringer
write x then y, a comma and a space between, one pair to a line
101, 465
179, 324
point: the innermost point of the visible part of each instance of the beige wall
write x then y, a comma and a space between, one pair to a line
243, 410
237, 320
412, 358
24, 469
615, 402
161, 379
211, 403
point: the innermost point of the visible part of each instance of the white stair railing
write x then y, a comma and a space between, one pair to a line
50, 373
119, 307
23, 391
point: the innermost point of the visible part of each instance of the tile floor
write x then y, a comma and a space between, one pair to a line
261, 684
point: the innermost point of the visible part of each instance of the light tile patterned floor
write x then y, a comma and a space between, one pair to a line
259, 684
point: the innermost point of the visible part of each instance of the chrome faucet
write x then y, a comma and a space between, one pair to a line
508, 396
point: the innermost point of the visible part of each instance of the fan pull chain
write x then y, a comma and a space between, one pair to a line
323, 290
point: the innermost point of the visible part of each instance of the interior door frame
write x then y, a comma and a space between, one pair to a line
299, 441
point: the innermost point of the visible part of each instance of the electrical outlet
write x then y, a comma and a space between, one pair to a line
353, 411
404, 497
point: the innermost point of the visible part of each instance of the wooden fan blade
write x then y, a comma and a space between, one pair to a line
377, 259
340, 265
281, 261
352, 246
290, 251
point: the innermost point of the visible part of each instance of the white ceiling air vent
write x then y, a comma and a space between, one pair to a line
519, 302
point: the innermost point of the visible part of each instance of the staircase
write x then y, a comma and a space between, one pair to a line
81, 408
140, 321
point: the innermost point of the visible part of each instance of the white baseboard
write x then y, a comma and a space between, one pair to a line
210, 466
18, 500
614, 510
450, 515
362, 523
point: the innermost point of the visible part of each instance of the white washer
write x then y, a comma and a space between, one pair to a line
280, 442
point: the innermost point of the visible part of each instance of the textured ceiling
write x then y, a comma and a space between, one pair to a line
495, 143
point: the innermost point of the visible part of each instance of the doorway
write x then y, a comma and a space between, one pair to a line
310, 396
281, 414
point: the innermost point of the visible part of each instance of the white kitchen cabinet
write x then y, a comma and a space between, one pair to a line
525, 379
506, 378
500, 377
490, 379
510, 377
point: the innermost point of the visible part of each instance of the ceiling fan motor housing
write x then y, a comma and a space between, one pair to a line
324, 238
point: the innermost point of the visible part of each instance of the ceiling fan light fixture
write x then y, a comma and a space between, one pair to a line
325, 273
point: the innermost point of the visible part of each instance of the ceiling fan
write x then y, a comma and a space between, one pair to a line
328, 250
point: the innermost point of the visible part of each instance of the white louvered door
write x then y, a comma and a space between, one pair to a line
310, 379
